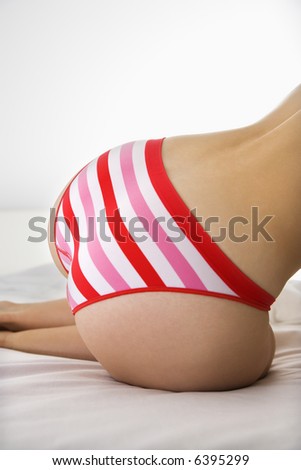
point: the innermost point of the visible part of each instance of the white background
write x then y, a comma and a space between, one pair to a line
78, 77
81, 76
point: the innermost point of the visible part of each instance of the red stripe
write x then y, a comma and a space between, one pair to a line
122, 236
181, 290
248, 290
80, 281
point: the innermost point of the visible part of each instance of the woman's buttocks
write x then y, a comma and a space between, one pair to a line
182, 341
175, 341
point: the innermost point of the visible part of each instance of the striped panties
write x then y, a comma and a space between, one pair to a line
121, 228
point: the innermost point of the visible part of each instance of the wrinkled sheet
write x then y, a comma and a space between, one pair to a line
55, 403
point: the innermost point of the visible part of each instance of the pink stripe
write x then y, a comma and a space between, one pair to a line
98, 256
181, 266
61, 242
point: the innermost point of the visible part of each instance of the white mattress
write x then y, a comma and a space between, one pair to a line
56, 403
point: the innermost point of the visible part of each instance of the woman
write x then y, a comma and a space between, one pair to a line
183, 308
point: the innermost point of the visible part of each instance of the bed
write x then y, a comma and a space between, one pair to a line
56, 403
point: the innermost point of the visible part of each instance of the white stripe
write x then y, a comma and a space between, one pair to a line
207, 275
74, 292
88, 268
148, 247
111, 248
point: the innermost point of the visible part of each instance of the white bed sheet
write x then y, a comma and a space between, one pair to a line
56, 403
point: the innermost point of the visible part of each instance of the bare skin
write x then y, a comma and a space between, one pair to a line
42, 328
177, 341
